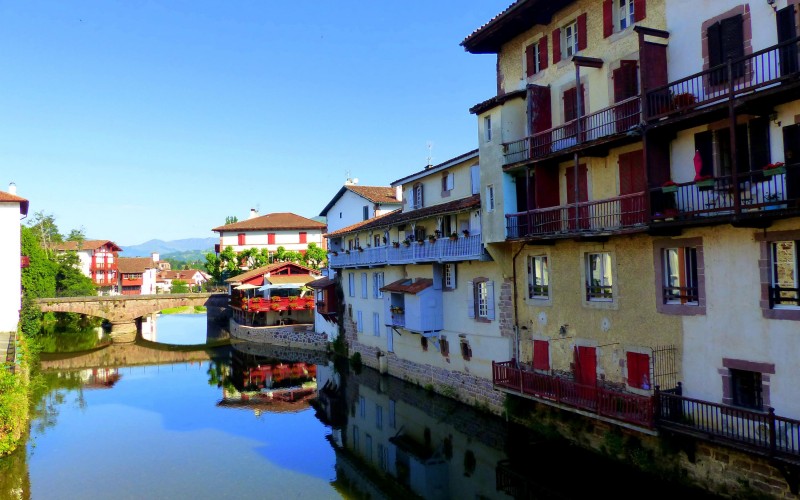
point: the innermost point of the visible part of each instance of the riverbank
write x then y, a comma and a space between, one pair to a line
185, 310
15, 388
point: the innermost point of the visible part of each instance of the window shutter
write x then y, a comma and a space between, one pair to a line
539, 108
438, 276
490, 299
541, 355
543, 53
732, 36
570, 104
608, 18
639, 10
582, 32
529, 61
471, 300
556, 45
714, 45
759, 144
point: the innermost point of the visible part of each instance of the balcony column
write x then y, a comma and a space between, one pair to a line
737, 206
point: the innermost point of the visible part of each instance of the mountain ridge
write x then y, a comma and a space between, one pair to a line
167, 247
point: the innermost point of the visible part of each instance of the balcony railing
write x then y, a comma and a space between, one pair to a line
622, 406
757, 192
442, 249
734, 78
611, 214
277, 304
619, 118
760, 431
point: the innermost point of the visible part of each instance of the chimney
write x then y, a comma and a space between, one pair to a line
12, 188
253, 213
155, 257
398, 193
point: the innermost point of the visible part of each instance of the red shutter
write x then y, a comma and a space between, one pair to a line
638, 370
543, 53
540, 113
547, 186
303, 237
529, 61
270, 238
541, 355
241, 238
570, 104
608, 18
556, 45
639, 10
582, 32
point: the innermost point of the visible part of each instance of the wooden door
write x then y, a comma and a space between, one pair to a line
585, 374
631, 181
626, 85
787, 29
583, 195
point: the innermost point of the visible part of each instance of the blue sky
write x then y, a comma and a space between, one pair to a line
137, 120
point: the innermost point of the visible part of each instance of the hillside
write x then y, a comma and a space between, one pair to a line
185, 247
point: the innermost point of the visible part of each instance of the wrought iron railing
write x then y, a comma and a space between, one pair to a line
782, 296
757, 190
619, 118
441, 249
622, 406
610, 214
730, 79
761, 431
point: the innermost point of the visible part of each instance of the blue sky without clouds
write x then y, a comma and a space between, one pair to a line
142, 119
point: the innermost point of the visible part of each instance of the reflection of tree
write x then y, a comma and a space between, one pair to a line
219, 375
14, 479
50, 391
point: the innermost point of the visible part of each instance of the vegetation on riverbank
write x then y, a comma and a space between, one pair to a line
15, 388
185, 310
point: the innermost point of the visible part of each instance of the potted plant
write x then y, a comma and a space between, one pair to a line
774, 169
360, 248
421, 242
669, 187
431, 239
684, 99
453, 236
670, 213
465, 232
396, 244
334, 253
406, 242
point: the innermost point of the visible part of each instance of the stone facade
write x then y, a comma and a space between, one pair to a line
301, 336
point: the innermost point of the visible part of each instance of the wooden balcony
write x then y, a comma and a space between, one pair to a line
738, 78
627, 212
752, 194
441, 250
612, 404
759, 432
618, 119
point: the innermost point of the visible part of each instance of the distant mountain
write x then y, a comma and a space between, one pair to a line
164, 248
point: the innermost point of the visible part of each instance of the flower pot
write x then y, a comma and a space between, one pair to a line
768, 172
705, 184
669, 189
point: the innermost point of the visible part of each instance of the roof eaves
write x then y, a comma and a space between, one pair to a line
442, 166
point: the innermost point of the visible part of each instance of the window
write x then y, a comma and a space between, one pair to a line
680, 276
783, 289
449, 276
638, 370
490, 198
364, 290
377, 284
392, 419
625, 15
466, 350
598, 277
444, 346
417, 201
569, 42
447, 183
487, 128
725, 40
368, 448
746, 389
533, 59
303, 237
270, 238
356, 438
376, 240
241, 238
475, 179
481, 305
359, 322
383, 457
378, 416
365, 212
362, 407
376, 324
423, 342
541, 355
351, 284
538, 277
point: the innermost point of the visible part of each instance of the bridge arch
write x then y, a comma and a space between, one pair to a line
122, 311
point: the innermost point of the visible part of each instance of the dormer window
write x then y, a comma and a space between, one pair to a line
417, 196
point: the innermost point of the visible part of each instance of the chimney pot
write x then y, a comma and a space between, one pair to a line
12, 188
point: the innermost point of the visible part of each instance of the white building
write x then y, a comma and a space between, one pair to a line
12, 207
282, 229
354, 203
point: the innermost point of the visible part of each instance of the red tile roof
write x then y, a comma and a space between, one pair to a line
321, 283
178, 274
12, 198
399, 217
407, 285
277, 221
86, 245
129, 265
268, 269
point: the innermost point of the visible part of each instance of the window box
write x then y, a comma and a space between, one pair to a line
704, 184
669, 189
775, 170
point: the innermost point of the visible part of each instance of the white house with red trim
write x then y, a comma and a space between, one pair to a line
282, 229
99, 261
12, 209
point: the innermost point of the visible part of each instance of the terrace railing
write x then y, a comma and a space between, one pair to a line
733, 78
610, 214
441, 249
618, 405
619, 118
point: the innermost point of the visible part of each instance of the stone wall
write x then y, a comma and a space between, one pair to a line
458, 385
301, 336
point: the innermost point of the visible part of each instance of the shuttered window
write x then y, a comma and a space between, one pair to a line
725, 41
541, 355
638, 370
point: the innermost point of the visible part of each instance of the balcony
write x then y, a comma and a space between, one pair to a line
588, 217
740, 77
440, 250
620, 118
616, 405
750, 194
276, 304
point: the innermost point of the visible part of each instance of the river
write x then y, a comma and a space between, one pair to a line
252, 421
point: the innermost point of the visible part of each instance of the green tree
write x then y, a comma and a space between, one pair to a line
231, 219
70, 280
39, 278
44, 225
180, 286
78, 235
315, 256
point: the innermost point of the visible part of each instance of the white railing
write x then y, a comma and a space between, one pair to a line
442, 249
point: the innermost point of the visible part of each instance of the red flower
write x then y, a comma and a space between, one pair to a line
669, 183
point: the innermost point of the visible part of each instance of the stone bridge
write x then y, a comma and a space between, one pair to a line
123, 311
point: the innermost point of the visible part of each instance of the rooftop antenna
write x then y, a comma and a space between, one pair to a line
430, 153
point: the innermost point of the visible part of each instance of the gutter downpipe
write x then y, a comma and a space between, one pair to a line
514, 280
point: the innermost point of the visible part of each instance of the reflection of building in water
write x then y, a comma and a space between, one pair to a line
99, 378
148, 328
432, 446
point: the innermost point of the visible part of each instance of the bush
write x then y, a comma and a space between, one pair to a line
355, 362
